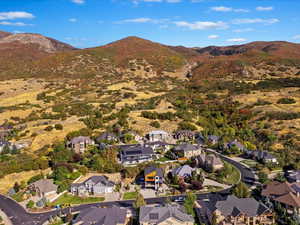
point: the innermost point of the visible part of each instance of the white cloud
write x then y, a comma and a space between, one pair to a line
168, 1
17, 24
227, 9
73, 20
296, 37
236, 40
256, 20
78, 1
143, 20
15, 15
213, 36
202, 25
243, 30
261, 8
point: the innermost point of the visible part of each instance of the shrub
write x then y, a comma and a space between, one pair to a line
30, 204
186, 126
155, 124
49, 128
286, 101
58, 126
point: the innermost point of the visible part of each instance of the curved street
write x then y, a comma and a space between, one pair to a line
19, 216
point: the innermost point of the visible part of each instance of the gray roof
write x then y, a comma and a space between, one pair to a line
159, 171
4, 143
137, 150
158, 132
186, 147
100, 179
80, 139
106, 135
102, 216
295, 175
236, 143
213, 137
45, 185
234, 206
159, 214
183, 171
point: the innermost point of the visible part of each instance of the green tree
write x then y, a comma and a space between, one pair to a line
139, 201
30, 204
262, 177
189, 203
241, 190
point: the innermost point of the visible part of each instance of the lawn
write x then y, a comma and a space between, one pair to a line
75, 200
163, 159
130, 195
232, 178
250, 163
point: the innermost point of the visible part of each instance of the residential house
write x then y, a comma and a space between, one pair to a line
287, 194
164, 215
263, 156
183, 171
5, 130
107, 137
102, 216
136, 137
159, 145
157, 135
293, 176
236, 144
184, 135
80, 144
136, 154
44, 188
210, 162
231, 210
95, 185
199, 138
188, 150
213, 139
153, 177
5, 145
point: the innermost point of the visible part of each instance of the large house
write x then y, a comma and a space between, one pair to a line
236, 144
166, 215
287, 194
231, 210
80, 144
188, 150
209, 162
153, 177
102, 216
184, 135
95, 185
136, 154
107, 137
183, 171
159, 145
44, 188
263, 156
157, 135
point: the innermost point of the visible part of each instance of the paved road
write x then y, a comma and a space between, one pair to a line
19, 216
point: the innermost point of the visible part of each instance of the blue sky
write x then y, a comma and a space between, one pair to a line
88, 23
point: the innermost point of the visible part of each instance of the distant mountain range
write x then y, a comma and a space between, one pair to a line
34, 55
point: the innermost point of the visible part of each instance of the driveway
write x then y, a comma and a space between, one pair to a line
148, 193
209, 182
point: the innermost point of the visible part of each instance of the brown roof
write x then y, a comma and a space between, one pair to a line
289, 199
277, 189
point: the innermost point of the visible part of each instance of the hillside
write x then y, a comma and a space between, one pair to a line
18, 51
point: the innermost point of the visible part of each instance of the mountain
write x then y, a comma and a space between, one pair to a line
17, 51
254, 60
34, 55
131, 54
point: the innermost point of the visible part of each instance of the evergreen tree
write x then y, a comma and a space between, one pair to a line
241, 190
139, 201
189, 203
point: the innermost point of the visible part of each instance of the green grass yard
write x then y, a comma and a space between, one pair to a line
75, 200
129, 195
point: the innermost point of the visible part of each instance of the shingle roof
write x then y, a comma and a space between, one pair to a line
79, 139
233, 206
150, 169
137, 150
101, 179
106, 135
45, 185
186, 147
159, 214
102, 216
289, 199
183, 171
277, 189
